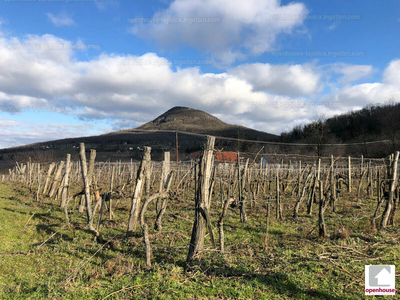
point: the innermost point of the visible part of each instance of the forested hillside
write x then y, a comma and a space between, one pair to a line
372, 123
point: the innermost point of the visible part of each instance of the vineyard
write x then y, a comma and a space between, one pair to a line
263, 226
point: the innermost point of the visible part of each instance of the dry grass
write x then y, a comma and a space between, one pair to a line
296, 265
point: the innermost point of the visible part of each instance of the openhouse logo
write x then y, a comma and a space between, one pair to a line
380, 280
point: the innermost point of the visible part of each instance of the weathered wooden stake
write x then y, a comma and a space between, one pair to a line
333, 184
38, 189
57, 178
393, 185
322, 206
136, 199
278, 200
202, 204
349, 175
242, 199
89, 213
165, 178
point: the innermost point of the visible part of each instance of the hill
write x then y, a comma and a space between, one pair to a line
197, 121
158, 134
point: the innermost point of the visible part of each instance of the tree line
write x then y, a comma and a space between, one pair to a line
372, 123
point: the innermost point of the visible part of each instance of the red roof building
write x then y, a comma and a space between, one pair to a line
221, 157
226, 156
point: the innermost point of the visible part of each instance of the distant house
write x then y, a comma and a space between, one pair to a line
220, 156
227, 156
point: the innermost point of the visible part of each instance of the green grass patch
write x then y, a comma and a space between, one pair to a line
42, 258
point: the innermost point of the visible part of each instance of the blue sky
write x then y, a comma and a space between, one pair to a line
75, 68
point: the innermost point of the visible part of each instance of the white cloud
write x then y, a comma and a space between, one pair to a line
8, 123
62, 19
364, 94
126, 87
332, 27
17, 134
391, 74
351, 72
360, 95
293, 80
130, 90
234, 30
13, 103
104, 5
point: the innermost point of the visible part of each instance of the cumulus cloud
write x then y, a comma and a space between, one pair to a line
391, 74
293, 80
131, 87
351, 73
332, 26
62, 19
8, 123
130, 90
227, 29
17, 134
357, 96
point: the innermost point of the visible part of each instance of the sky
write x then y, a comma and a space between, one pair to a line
85, 67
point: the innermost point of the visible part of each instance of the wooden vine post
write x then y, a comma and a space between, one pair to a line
322, 207
148, 172
49, 171
38, 189
57, 179
349, 176
278, 200
370, 184
89, 212
136, 199
202, 201
165, 177
312, 195
111, 214
239, 181
299, 180
66, 182
333, 184
393, 184
242, 199
92, 158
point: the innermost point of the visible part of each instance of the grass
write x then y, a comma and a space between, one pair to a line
35, 263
